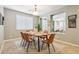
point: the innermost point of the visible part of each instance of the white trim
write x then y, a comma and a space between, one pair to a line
5, 41
59, 32
2, 46
68, 43
61, 41
12, 39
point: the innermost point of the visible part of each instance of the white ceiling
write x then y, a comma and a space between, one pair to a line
42, 9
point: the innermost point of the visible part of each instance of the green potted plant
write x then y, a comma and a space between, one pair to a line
38, 27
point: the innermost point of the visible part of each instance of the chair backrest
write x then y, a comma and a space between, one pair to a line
22, 35
51, 38
26, 36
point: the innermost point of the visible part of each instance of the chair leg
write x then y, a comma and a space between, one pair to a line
53, 47
21, 44
28, 46
30, 43
42, 46
25, 44
34, 44
48, 48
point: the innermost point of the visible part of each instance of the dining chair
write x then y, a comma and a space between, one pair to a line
23, 39
49, 41
43, 37
28, 39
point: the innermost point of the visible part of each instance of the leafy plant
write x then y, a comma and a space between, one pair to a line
39, 27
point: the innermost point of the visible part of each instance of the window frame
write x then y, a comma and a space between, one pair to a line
24, 16
45, 19
65, 22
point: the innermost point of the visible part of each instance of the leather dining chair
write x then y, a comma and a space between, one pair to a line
28, 39
49, 41
23, 39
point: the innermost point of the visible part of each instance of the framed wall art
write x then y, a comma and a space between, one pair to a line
72, 21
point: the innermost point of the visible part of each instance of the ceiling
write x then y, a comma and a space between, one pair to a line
42, 9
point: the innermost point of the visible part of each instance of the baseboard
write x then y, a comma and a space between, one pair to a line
61, 41
11, 39
6, 41
68, 43
1, 47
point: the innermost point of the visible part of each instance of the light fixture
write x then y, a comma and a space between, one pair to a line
35, 12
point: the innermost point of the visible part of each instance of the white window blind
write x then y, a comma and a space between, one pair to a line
59, 17
24, 22
59, 22
44, 24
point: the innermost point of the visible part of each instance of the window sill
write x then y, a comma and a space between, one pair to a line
58, 32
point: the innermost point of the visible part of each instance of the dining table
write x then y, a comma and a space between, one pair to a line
38, 35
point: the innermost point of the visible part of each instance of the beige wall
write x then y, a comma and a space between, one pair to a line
1, 27
71, 34
2, 10
10, 23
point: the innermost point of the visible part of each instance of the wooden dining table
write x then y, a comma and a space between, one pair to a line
38, 35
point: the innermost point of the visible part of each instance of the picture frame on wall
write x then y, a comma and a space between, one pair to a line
72, 21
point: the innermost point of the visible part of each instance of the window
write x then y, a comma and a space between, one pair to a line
59, 22
44, 24
24, 22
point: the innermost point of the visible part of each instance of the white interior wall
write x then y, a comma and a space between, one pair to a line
72, 34
1, 27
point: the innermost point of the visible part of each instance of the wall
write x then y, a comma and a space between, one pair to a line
1, 34
71, 34
2, 10
1, 27
10, 23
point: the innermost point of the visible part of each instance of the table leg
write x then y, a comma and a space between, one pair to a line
38, 44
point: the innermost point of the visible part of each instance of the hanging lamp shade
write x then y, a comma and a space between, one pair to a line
35, 10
